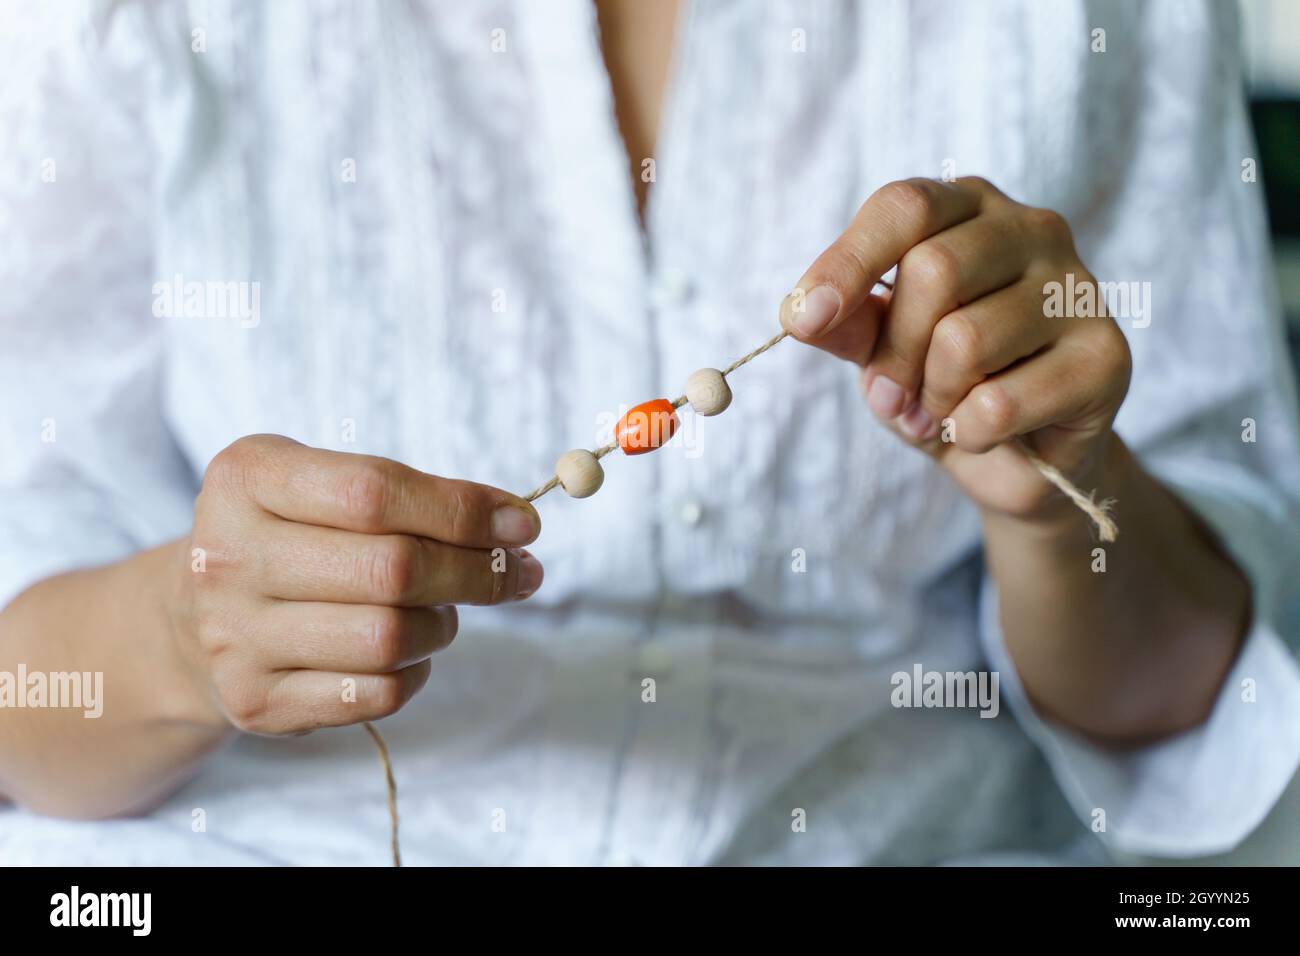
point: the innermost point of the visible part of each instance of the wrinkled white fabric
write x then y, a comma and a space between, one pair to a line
451, 272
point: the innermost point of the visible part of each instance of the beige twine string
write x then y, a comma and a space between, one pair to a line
1098, 512
391, 781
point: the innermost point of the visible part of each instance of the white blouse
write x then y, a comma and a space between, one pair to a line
426, 215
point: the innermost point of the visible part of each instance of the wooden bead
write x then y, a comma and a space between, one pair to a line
708, 392
646, 427
580, 473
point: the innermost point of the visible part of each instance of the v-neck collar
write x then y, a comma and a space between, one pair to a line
588, 165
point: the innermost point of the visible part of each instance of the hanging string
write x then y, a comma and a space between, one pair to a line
391, 782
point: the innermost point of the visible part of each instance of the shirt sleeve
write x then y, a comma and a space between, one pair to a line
88, 470
1212, 413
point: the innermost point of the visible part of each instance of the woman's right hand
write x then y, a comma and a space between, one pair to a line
318, 584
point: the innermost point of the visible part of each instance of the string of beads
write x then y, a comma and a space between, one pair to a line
646, 427
651, 425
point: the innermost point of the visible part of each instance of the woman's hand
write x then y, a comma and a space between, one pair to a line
312, 593
319, 584
961, 356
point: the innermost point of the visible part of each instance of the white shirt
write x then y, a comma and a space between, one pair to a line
451, 272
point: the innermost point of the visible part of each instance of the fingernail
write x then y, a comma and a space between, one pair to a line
530, 577
916, 422
886, 397
811, 316
513, 525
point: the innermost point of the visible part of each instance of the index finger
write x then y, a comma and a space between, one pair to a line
897, 217
372, 495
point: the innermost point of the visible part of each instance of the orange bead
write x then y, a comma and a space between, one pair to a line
646, 427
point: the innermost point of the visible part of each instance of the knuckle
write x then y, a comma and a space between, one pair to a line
238, 460
364, 495
387, 638
979, 183
229, 468
1115, 354
463, 513
1107, 351
934, 266
214, 639
911, 199
246, 707
391, 567
847, 265
1048, 223
997, 410
959, 342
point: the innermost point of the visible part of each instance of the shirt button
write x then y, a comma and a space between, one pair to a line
690, 512
671, 287
654, 660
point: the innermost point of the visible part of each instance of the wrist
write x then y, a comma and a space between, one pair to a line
184, 694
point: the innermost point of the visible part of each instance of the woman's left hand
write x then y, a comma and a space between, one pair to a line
962, 355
